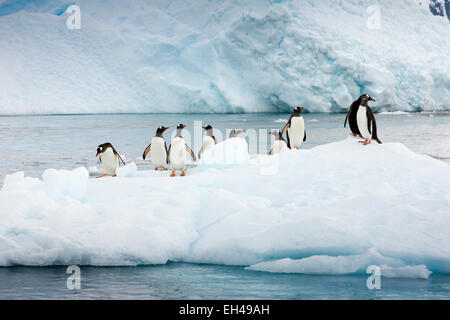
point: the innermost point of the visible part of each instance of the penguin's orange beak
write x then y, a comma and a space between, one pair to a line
97, 154
300, 108
165, 128
372, 99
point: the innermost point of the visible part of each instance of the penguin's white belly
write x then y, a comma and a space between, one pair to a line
361, 120
110, 162
278, 146
158, 153
177, 155
208, 143
296, 132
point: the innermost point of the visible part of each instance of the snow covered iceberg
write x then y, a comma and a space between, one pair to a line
221, 56
335, 208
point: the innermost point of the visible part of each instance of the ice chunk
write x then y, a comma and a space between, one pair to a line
127, 171
335, 208
228, 153
68, 183
324, 264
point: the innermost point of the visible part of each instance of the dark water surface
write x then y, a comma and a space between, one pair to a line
193, 281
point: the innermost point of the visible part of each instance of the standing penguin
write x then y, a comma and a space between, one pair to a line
296, 133
235, 132
109, 158
365, 120
158, 150
351, 117
208, 141
177, 152
279, 144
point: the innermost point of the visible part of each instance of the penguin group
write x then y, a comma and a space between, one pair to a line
360, 118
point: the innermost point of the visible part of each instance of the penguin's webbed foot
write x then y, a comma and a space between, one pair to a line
101, 176
173, 173
182, 174
365, 142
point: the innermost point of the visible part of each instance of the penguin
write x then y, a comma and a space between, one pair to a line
296, 133
158, 150
365, 120
109, 158
351, 117
279, 144
235, 132
208, 141
177, 152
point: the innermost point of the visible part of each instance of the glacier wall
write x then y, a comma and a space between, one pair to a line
221, 56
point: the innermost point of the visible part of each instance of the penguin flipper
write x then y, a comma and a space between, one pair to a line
190, 152
118, 155
146, 151
372, 125
346, 118
304, 138
200, 152
167, 153
287, 125
121, 159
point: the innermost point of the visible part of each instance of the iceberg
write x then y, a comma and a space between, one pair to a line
333, 209
221, 56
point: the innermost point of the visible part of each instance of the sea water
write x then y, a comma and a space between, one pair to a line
35, 143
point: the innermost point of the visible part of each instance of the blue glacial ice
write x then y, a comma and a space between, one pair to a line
333, 209
221, 56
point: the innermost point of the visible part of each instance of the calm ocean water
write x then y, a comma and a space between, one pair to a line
192, 281
35, 143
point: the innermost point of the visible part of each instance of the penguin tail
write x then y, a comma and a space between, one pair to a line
378, 140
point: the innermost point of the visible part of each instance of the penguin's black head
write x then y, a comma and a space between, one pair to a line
365, 98
208, 127
102, 148
161, 129
298, 111
181, 126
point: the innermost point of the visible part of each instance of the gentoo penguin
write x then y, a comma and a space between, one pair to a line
109, 158
158, 150
235, 132
351, 117
279, 144
177, 152
365, 120
295, 127
208, 141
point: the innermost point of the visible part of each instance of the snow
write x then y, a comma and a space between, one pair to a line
333, 209
220, 56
